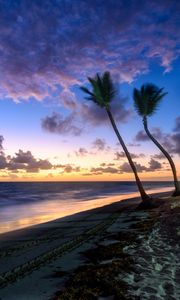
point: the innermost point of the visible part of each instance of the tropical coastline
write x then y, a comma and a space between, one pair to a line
49, 253
89, 150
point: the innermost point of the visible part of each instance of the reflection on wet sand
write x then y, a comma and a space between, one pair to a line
16, 217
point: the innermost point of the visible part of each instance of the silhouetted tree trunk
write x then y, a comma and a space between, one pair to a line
166, 154
143, 194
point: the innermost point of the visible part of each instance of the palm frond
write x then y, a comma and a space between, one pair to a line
138, 102
153, 104
103, 90
84, 89
147, 99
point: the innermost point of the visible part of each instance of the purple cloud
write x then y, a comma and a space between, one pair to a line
154, 165
96, 115
170, 141
67, 168
49, 43
102, 170
86, 114
26, 161
1, 143
3, 162
99, 144
22, 160
119, 155
125, 168
56, 123
176, 143
141, 136
158, 156
134, 145
81, 152
177, 125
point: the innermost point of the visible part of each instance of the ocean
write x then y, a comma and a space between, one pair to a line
25, 204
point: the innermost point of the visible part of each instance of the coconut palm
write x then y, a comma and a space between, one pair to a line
146, 101
102, 93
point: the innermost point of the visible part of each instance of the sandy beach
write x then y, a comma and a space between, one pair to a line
89, 150
129, 253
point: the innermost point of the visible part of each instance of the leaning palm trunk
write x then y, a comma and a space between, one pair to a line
166, 154
144, 196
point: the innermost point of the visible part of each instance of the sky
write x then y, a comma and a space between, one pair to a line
48, 131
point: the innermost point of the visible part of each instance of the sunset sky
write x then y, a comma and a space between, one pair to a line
47, 50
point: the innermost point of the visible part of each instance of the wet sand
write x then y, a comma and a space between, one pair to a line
30, 257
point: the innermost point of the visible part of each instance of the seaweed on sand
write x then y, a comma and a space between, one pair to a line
101, 253
96, 279
91, 282
107, 264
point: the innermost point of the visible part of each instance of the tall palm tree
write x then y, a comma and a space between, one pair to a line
146, 101
103, 92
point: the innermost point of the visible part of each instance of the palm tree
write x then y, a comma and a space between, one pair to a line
103, 92
146, 101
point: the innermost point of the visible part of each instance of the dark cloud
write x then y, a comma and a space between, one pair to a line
170, 141
125, 168
105, 164
99, 144
1, 143
96, 115
154, 165
119, 155
3, 162
23, 157
26, 161
102, 170
134, 145
68, 168
177, 125
68, 99
141, 136
22, 160
176, 143
158, 156
81, 152
49, 43
85, 114
56, 123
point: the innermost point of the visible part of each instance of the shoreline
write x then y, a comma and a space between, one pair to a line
40, 226
38, 262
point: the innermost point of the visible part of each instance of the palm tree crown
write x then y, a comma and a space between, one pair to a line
147, 99
103, 90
